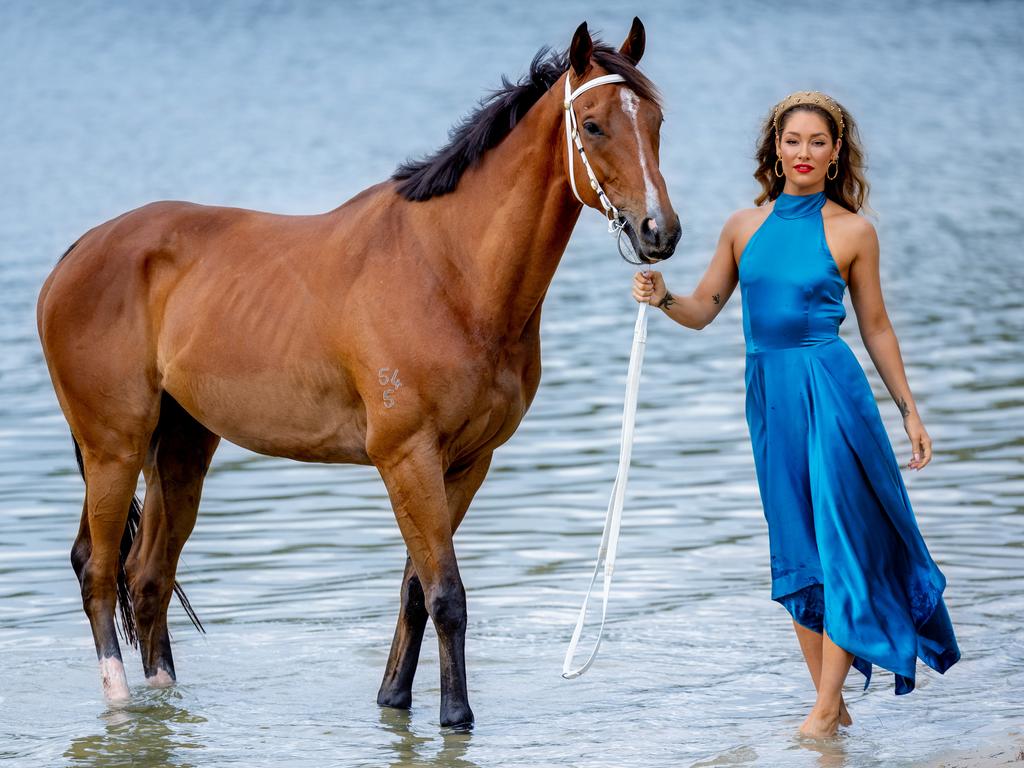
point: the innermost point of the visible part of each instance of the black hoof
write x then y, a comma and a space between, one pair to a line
459, 718
394, 699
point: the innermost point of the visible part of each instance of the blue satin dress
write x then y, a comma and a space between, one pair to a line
846, 552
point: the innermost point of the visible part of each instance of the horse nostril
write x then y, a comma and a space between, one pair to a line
649, 229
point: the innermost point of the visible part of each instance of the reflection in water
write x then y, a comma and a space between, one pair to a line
737, 756
411, 749
153, 731
831, 752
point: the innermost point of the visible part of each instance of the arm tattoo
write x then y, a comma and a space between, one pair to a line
667, 301
717, 298
901, 403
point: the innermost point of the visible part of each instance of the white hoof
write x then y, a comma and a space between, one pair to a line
115, 683
160, 680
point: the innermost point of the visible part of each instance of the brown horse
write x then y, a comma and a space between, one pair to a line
400, 329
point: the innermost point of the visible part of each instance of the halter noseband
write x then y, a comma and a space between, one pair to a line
572, 136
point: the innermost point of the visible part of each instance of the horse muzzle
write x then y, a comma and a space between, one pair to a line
651, 241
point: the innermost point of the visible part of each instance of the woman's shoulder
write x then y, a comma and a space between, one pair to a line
746, 220
848, 225
740, 227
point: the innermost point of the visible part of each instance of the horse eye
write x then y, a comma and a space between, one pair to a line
591, 127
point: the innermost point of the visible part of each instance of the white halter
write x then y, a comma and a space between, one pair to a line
572, 136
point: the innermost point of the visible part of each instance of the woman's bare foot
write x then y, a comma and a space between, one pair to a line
844, 714
821, 723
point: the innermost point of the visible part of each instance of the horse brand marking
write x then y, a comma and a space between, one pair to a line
385, 379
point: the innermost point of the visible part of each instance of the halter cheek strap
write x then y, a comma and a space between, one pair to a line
572, 136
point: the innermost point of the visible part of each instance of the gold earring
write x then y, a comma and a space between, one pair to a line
779, 172
832, 177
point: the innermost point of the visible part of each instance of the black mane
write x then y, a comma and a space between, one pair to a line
496, 116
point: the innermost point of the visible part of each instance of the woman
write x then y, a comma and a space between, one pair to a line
847, 559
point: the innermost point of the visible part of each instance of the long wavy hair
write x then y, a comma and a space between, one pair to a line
850, 186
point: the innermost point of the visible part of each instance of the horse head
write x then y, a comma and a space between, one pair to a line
614, 127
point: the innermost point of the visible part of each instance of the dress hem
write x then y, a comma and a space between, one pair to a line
808, 611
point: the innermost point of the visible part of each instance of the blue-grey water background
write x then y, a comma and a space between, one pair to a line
294, 568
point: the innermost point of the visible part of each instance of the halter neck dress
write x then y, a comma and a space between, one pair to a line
846, 552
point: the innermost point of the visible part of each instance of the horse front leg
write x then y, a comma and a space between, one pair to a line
415, 481
396, 688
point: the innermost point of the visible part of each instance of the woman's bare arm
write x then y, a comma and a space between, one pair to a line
880, 339
712, 292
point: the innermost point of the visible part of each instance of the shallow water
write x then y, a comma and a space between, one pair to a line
295, 568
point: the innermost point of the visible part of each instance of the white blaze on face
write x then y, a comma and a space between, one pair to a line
631, 106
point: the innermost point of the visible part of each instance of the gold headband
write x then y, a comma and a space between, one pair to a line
812, 98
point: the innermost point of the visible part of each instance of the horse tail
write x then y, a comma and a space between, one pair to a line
126, 610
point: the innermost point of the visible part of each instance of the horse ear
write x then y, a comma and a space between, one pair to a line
580, 50
636, 41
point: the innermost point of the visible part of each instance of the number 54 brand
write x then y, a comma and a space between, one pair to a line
388, 379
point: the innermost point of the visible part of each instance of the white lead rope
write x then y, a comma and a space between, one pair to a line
613, 518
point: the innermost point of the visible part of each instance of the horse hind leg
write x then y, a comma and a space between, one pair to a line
175, 467
110, 488
82, 550
93, 325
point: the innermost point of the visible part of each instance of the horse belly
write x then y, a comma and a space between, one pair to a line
307, 415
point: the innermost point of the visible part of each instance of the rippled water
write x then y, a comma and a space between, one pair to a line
295, 568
